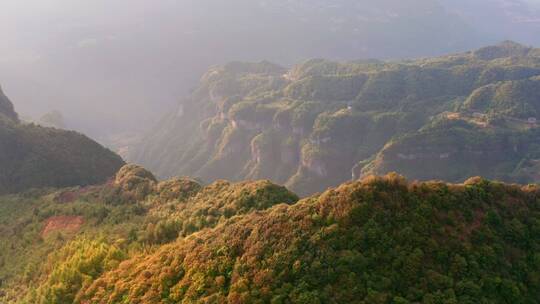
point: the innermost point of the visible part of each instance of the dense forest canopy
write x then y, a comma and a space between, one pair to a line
379, 240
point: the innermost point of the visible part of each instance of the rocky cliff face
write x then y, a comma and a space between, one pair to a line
321, 123
454, 153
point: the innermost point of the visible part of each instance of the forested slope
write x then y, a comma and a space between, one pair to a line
82, 232
379, 240
33, 156
321, 122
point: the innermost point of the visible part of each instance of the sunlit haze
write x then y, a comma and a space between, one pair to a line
119, 65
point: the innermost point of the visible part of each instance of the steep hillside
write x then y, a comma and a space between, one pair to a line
493, 133
377, 241
33, 156
316, 124
380, 240
83, 231
6, 107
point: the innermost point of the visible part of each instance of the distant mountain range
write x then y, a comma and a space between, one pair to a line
320, 123
141, 55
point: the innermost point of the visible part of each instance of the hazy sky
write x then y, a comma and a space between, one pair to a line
57, 53
117, 65
30, 25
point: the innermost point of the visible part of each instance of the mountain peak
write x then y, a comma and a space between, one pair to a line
506, 48
6, 107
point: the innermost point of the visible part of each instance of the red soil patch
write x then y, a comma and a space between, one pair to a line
62, 223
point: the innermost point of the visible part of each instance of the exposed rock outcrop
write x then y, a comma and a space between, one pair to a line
326, 122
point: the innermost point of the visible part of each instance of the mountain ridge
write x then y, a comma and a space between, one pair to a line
319, 123
376, 240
